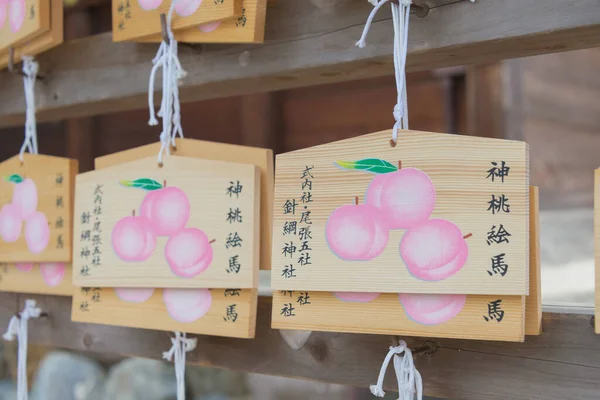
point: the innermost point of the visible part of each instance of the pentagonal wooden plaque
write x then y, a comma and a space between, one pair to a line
247, 28
22, 20
437, 213
36, 206
219, 312
191, 223
42, 278
134, 19
262, 158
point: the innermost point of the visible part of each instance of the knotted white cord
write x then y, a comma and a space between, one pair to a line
18, 327
30, 70
409, 379
400, 16
181, 345
166, 58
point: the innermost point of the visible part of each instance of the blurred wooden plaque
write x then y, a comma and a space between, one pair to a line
437, 213
219, 312
191, 223
42, 278
247, 28
22, 20
36, 206
133, 19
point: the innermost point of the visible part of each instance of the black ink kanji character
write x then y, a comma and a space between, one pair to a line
498, 204
494, 311
233, 240
59, 202
232, 292
84, 306
306, 173
234, 188
98, 190
85, 218
85, 290
232, 314
287, 293
306, 197
305, 246
303, 299
289, 249
498, 171
288, 310
96, 261
234, 215
234, 265
290, 207
289, 272
304, 259
59, 242
60, 223
98, 200
96, 296
98, 210
307, 185
96, 240
85, 271
305, 233
59, 179
97, 227
306, 217
86, 235
498, 265
498, 236
289, 228
85, 252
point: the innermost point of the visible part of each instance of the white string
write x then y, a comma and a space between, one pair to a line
181, 345
409, 379
18, 327
30, 70
170, 111
400, 16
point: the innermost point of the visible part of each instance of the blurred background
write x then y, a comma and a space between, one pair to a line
549, 101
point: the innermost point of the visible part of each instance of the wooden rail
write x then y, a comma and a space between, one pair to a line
562, 363
308, 43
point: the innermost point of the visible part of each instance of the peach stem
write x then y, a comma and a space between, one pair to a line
212, 241
399, 164
468, 235
356, 201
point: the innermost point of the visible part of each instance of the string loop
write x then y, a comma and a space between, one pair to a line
409, 379
17, 328
180, 345
30, 70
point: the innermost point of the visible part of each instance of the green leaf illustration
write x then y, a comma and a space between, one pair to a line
373, 165
142, 183
14, 178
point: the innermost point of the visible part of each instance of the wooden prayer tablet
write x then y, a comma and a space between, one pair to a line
42, 278
247, 28
445, 316
36, 205
22, 20
133, 19
533, 302
262, 158
42, 42
219, 312
437, 213
191, 223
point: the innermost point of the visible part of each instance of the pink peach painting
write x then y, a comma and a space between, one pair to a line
209, 26
25, 197
3, 12
148, 5
356, 232
356, 297
434, 250
134, 295
24, 267
185, 8
37, 233
16, 14
165, 211
432, 309
10, 223
187, 305
52, 273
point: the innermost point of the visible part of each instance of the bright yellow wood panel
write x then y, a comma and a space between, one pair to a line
134, 19
22, 20
43, 278
192, 208
471, 199
223, 312
51, 181
262, 158
248, 28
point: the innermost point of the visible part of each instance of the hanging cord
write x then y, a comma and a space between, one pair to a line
170, 112
400, 16
409, 379
181, 345
18, 327
30, 70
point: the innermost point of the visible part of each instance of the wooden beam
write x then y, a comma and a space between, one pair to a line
561, 363
308, 43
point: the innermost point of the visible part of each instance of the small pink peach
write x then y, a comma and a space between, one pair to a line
185, 8
209, 26
134, 295
37, 233
168, 209
10, 223
189, 253
25, 197
133, 239
52, 273
187, 305
16, 12
432, 309
355, 297
148, 5
24, 267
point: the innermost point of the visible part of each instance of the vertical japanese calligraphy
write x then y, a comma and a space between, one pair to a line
234, 217
498, 205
